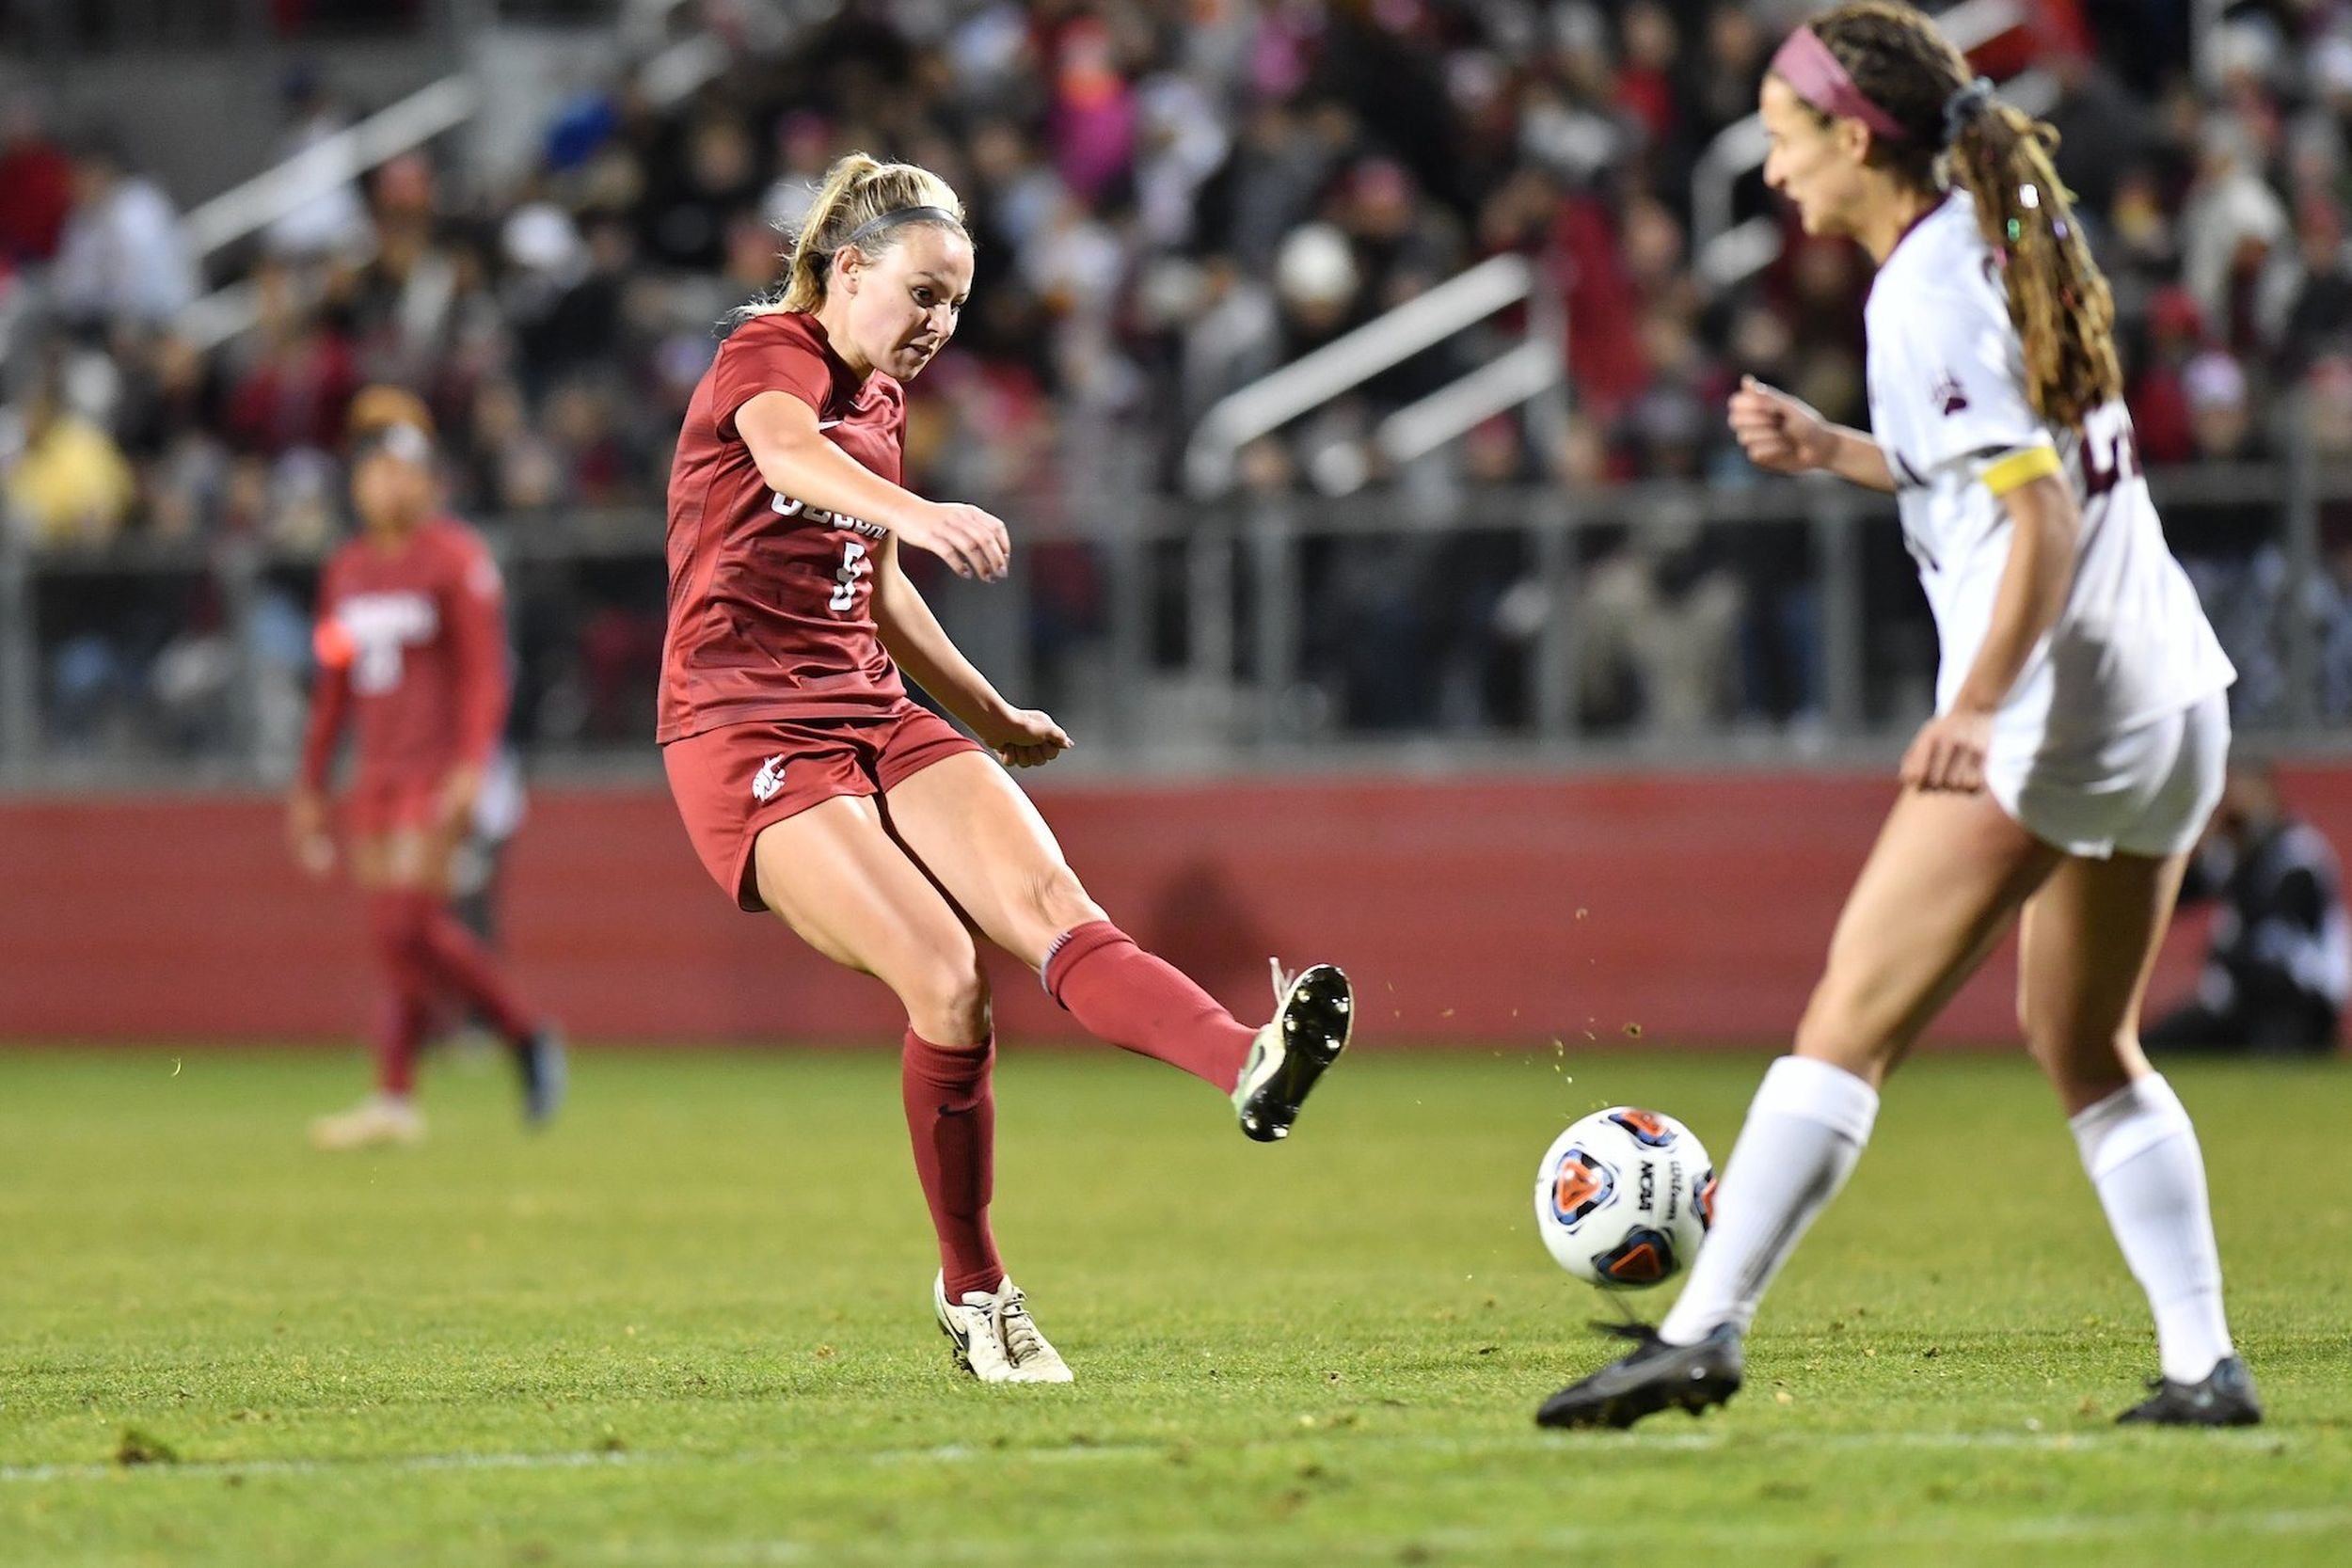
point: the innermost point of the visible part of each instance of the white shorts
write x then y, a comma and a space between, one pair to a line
2146, 791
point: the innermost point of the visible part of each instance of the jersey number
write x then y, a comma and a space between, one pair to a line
854, 566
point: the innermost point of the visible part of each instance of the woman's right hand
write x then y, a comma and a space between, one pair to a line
971, 541
306, 832
1780, 434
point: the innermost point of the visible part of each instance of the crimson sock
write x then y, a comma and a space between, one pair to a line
400, 1028
1143, 1004
951, 1118
460, 961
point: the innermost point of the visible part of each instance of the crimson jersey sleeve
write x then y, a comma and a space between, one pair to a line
330, 689
473, 611
767, 355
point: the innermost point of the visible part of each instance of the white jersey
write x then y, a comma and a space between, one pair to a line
1948, 402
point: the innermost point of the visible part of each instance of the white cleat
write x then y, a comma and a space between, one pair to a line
994, 1338
373, 1123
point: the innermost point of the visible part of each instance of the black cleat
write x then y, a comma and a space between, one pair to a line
1314, 1012
545, 1074
2225, 1397
1653, 1377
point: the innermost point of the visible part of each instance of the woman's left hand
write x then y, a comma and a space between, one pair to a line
1948, 753
1025, 738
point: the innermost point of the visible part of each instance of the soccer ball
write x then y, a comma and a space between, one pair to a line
1624, 1197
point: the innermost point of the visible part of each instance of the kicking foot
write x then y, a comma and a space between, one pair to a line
994, 1338
374, 1121
1314, 1013
546, 1073
1653, 1377
2224, 1397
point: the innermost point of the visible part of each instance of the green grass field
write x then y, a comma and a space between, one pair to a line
691, 1326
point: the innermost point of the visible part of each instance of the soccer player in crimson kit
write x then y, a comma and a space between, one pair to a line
411, 646
812, 785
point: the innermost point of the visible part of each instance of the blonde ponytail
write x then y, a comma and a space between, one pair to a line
858, 190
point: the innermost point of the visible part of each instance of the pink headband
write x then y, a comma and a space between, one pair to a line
1805, 62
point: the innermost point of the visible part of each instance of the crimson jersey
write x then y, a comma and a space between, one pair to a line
772, 611
412, 644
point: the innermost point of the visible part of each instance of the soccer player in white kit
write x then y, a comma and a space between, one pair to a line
2081, 725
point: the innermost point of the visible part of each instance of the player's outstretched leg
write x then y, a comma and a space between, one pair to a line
1943, 882
1314, 1014
1141, 1002
970, 826
2085, 954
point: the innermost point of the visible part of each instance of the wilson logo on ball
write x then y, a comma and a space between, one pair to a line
1580, 1185
1649, 1128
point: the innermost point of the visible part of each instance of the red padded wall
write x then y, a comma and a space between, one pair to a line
1690, 906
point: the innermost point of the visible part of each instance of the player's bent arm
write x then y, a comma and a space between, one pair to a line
912, 636
797, 460
1856, 458
2044, 525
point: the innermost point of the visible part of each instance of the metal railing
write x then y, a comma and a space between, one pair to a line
1283, 630
669, 74
1535, 367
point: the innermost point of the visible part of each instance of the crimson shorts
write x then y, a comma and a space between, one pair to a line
730, 783
376, 806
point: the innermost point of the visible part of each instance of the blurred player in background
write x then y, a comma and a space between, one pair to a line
2081, 728
812, 785
411, 647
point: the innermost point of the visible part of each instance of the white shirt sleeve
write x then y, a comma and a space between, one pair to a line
1964, 376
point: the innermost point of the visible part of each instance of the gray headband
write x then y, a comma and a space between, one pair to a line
891, 220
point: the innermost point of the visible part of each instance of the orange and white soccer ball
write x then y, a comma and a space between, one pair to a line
1624, 1197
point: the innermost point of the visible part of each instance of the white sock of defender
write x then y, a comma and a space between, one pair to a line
1804, 1131
2141, 1152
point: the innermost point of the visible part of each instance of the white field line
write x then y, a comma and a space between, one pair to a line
1328, 1444
1498, 1544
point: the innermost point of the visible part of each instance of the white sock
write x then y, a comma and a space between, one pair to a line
1804, 1131
2142, 1155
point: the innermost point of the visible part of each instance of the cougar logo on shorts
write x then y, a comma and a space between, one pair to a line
769, 779
1580, 1185
1645, 1127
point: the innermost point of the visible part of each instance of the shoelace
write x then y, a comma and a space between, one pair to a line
1022, 1340
1284, 980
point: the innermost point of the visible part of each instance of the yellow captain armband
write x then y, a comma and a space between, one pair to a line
2020, 467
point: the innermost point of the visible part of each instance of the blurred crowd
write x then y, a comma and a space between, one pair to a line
1169, 198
